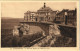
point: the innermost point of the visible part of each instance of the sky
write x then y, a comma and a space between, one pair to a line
17, 9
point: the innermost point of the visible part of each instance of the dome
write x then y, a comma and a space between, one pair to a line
45, 9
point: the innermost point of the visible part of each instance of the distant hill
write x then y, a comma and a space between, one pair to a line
9, 23
11, 20
6, 18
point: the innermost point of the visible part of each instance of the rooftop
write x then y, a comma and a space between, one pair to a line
45, 9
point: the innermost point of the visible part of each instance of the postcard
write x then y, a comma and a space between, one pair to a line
39, 25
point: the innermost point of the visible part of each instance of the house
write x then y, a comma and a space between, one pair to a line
30, 16
66, 17
60, 16
71, 17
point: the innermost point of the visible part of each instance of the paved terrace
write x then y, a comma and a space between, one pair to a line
42, 22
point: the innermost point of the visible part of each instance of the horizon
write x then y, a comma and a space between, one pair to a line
11, 18
17, 9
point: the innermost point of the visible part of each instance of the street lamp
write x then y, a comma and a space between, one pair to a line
66, 18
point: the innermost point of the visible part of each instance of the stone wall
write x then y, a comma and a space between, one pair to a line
37, 27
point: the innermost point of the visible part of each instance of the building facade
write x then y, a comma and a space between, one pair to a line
60, 16
66, 17
30, 16
46, 14
42, 15
71, 17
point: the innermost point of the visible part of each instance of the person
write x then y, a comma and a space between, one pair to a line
20, 31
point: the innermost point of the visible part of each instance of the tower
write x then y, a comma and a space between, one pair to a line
44, 5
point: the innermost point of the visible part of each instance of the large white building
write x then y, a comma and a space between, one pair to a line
43, 14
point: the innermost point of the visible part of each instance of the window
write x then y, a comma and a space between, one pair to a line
48, 13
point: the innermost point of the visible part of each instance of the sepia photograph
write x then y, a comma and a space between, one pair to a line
38, 24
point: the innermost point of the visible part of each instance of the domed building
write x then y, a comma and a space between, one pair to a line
42, 15
46, 13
